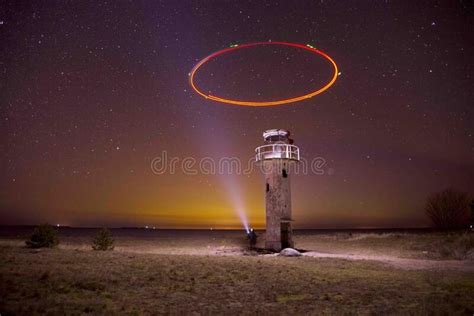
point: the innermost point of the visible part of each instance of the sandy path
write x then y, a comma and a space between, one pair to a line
402, 263
397, 262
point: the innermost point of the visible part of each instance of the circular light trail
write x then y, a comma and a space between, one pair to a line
308, 47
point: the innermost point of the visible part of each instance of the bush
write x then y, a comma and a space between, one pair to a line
44, 236
448, 209
456, 246
103, 240
472, 212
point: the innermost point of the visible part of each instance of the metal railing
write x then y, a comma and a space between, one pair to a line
277, 151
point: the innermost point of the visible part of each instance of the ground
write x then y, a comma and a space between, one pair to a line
211, 272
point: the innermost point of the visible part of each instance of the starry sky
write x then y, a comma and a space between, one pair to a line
92, 91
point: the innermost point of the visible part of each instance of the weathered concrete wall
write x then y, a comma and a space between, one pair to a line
277, 201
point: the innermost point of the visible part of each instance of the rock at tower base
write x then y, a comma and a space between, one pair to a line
290, 252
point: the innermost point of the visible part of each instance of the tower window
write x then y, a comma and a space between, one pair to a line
268, 187
285, 175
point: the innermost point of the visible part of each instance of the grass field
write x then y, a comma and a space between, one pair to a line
155, 272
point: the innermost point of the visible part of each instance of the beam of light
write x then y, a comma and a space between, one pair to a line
235, 47
237, 202
236, 197
231, 181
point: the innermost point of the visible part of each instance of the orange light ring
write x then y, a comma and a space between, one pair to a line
263, 103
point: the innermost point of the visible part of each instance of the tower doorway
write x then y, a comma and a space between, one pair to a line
286, 237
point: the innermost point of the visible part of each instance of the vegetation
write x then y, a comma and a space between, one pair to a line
449, 245
103, 240
472, 212
448, 209
456, 246
75, 282
44, 236
207, 273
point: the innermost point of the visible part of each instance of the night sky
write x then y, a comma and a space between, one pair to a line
92, 91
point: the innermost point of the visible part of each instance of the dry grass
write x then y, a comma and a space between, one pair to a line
434, 245
76, 280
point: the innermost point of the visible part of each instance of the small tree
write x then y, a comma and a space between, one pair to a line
103, 240
448, 209
44, 236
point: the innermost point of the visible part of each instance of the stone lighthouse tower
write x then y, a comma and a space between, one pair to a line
276, 157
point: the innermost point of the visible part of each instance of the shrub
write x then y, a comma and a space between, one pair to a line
472, 212
103, 240
448, 209
456, 246
465, 244
44, 236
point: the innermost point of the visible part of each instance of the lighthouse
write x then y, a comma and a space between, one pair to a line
276, 157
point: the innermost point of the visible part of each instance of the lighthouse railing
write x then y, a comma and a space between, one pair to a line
277, 151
